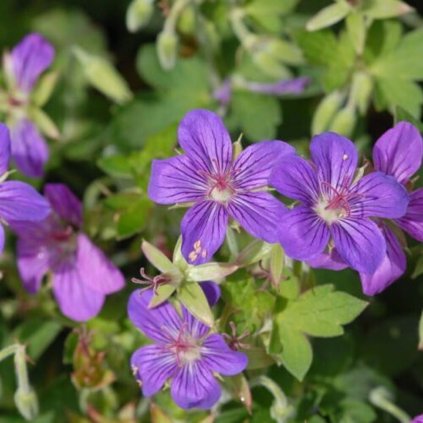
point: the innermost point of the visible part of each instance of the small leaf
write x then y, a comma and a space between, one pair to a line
193, 298
277, 258
44, 123
162, 293
44, 88
329, 16
253, 253
385, 9
157, 258
356, 28
210, 271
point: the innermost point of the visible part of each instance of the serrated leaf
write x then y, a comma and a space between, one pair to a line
193, 298
157, 258
209, 271
329, 16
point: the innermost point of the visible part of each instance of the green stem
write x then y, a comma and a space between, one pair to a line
380, 397
174, 14
21, 370
8, 351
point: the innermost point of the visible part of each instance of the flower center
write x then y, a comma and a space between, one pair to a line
221, 189
333, 204
185, 347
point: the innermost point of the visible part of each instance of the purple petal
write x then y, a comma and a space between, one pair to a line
378, 195
206, 141
302, 233
153, 365
418, 419
254, 165
97, 271
335, 157
203, 231
64, 202
29, 59
212, 291
259, 213
399, 151
161, 323
2, 238
76, 300
295, 178
223, 93
286, 86
219, 358
29, 149
392, 267
19, 201
360, 243
33, 259
332, 261
176, 180
195, 387
412, 222
4, 148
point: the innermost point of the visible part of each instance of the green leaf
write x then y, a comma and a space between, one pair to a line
158, 259
117, 166
277, 260
329, 16
356, 28
192, 296
254, 252
385, 9
321, 311
209, 271
297, 354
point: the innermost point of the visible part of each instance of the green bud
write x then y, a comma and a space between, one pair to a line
27, 403
326, 111
45, 88
385, 9
139, 14
356, 28
103, 76
167, 46
344, 121
361, 90
329, 16
186, 22
277, 261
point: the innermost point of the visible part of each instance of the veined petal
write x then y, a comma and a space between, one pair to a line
29, 149
153, 365
378, 195
176, 180
360, 243
76, 300
32, 261
97, 271
205, 140
259, 213
29, 59
412, 221
19, 201
254, 165
393, 265
212, 291
195, 387
203, 231
161, 323
294, 177
302, 234
399, 151
4, 148
220, 358
64, 202
335, 157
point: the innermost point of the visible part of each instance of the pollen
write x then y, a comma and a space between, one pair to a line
197, 251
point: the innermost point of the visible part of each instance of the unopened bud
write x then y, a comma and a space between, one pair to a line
344, 121
139, 14
167, 45
325, 112
186, 22
361, 89
27, 403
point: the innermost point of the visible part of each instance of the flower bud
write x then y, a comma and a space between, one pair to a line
326, 111
26, 402
344, 121
139, 14
361, 89
186, 22
167, 45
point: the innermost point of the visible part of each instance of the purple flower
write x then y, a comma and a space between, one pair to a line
335, 210
18, 201
398, 153
418, 419
217, 186
23, 66
185, 353
82, 276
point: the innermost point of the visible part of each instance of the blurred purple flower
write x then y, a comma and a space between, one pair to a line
398, 153
223, 94
217, 186
418, 419
184, 353
18, 201
82, 275
336, 210
23, 66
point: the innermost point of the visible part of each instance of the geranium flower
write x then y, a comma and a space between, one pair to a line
335, 210
217, 186
185, 353
18, 201
23, 67
82, 275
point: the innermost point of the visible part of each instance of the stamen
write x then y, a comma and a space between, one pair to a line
151, 282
